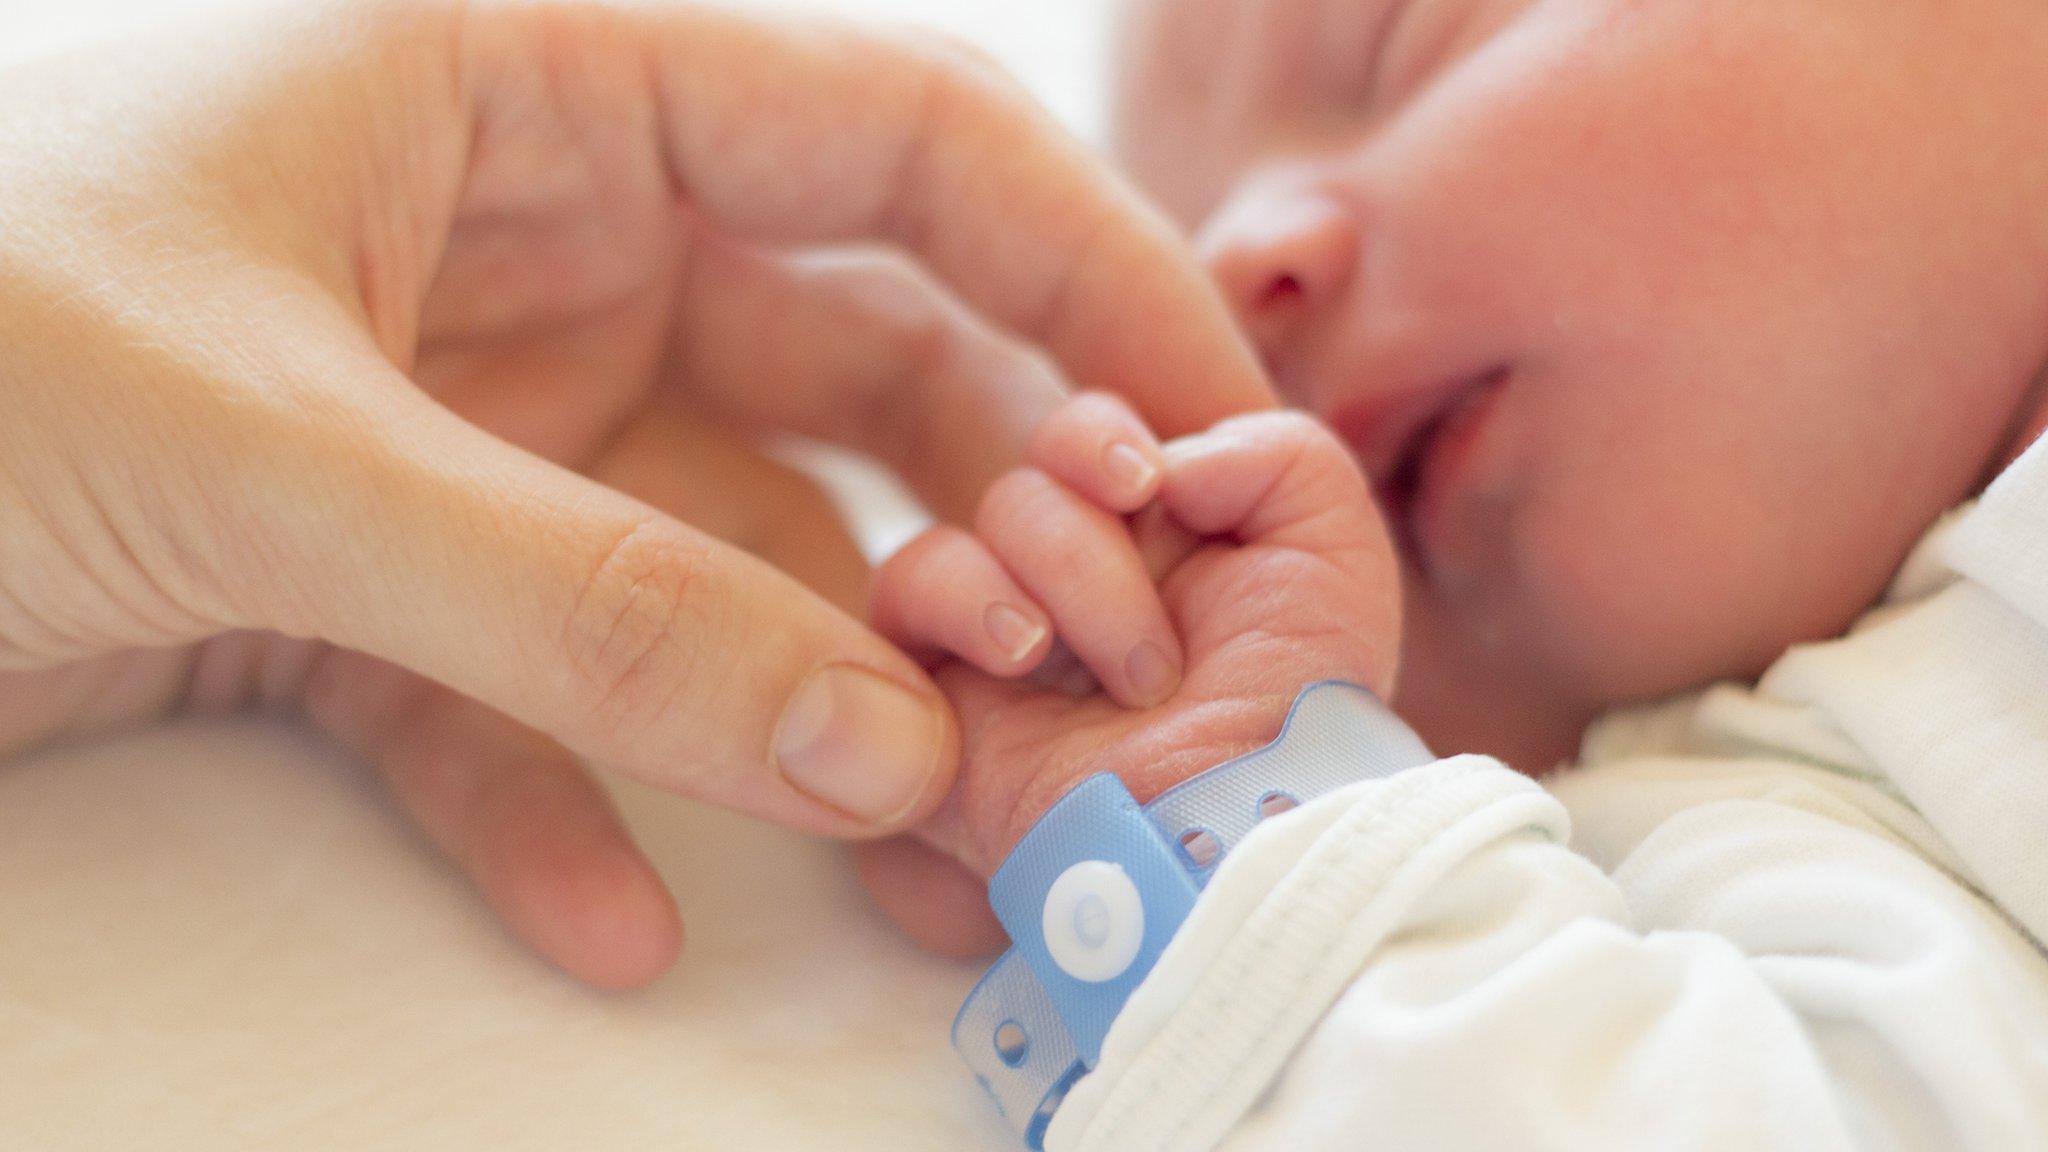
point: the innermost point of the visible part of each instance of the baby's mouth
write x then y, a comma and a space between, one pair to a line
1414, 447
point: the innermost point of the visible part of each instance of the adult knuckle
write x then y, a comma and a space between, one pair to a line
633, 632
957, 98
964, 69
965, 87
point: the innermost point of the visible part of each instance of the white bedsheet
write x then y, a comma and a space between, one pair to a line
220, 936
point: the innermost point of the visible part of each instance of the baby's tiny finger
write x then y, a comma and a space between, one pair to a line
1273, 477
1080, 563
945, 593
1097, 446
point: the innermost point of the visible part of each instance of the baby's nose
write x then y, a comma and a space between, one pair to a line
1283, 254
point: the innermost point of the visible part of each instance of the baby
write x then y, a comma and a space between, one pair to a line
1662, 334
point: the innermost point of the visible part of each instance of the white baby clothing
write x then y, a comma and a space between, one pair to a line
1801, 915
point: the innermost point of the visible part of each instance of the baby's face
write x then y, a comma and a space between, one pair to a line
1664, 328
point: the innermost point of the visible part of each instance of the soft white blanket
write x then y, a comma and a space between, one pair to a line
221, 937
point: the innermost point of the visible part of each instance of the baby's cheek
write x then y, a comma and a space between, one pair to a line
1629, 607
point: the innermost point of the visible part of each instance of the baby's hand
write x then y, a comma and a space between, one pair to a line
1123, 607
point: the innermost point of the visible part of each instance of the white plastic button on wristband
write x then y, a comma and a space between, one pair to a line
1094, 921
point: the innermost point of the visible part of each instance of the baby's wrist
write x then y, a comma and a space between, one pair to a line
1147, 773
1094, 892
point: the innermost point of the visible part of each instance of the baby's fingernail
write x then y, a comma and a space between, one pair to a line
859, 743
1129, 467
1153, 676
1014, 632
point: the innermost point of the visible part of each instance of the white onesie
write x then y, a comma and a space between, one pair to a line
1803, 915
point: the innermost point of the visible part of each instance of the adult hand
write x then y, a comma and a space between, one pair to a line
351, 360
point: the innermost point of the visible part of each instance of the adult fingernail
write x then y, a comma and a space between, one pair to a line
1153, 675
860, 743
1129, 467
1014, 632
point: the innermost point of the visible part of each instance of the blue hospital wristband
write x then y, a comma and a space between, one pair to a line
1094, 891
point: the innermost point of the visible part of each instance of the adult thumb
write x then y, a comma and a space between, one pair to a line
629, 636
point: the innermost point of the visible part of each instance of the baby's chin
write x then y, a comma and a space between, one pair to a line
1466, 688
1475, 675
